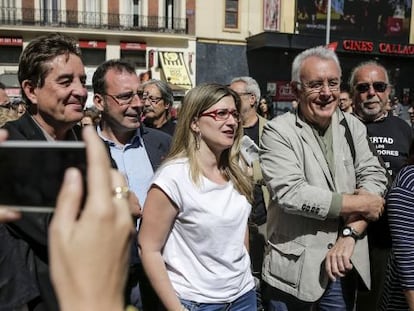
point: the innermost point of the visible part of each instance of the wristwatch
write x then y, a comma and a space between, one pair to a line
349, 231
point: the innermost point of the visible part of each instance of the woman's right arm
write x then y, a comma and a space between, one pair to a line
158, 218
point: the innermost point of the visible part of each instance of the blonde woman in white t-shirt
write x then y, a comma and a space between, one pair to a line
193, 237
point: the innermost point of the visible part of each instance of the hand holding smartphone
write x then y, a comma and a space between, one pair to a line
31, 172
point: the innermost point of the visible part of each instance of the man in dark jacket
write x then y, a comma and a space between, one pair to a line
52, 79
137, 150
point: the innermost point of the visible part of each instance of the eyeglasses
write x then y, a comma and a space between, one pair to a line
318, 85
222, 114
125, 98
378, 86
152, 99
244, 94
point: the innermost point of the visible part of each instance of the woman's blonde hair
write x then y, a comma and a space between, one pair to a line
184, 142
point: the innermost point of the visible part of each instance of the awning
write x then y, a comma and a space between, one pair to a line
175, 70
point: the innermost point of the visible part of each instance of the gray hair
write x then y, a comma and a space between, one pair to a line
251, 86
164, 88
352, 80
319, 52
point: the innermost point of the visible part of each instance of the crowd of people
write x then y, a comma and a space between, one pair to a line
225, 208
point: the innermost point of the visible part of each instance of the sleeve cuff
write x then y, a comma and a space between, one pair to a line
336, 205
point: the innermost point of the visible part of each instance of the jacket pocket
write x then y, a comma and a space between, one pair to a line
286, 262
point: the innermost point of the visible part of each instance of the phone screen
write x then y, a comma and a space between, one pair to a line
31, 172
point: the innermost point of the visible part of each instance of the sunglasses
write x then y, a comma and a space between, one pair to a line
378, 87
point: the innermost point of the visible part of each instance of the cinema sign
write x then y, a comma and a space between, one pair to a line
384, 48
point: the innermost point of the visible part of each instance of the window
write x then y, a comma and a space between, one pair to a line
10, 54
50, 10
91, 15
136, 8
7, 11
93, 57
231, 19
130, 13
169, 13
136, 58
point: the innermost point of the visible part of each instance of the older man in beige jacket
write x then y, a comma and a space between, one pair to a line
325, 184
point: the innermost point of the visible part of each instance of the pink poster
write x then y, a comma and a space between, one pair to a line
271, 15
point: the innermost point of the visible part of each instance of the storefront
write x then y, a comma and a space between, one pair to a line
270, 56
358, 31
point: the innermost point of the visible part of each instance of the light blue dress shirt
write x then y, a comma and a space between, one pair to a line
133, 161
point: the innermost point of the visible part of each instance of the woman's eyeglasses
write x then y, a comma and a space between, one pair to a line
378, 86
222, 114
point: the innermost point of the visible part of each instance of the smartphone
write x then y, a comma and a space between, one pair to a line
31, 172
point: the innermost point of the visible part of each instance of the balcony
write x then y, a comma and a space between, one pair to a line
92, 20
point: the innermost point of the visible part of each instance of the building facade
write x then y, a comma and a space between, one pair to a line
358, 31
187, 42
156, 35
222, 27
261, 39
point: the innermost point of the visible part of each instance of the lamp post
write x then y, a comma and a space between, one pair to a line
328, 22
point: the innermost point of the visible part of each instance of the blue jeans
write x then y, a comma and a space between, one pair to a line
339, 296
247, 302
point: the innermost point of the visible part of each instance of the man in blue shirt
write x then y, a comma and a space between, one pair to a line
136, 150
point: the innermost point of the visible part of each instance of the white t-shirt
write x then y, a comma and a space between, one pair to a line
205, 255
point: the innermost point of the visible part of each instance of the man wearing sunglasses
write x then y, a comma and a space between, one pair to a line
391, 137
137, 150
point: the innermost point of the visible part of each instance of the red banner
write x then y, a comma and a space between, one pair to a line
11, 41
137, 46
92, 44
281, 90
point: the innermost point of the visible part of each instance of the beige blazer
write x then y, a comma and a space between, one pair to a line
301, 226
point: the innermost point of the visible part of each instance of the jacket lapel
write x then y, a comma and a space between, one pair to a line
153, 148
29, 128
309, 138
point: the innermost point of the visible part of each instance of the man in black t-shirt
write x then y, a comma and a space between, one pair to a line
391, 137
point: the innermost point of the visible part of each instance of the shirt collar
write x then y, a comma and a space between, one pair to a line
136, 139
378, 119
